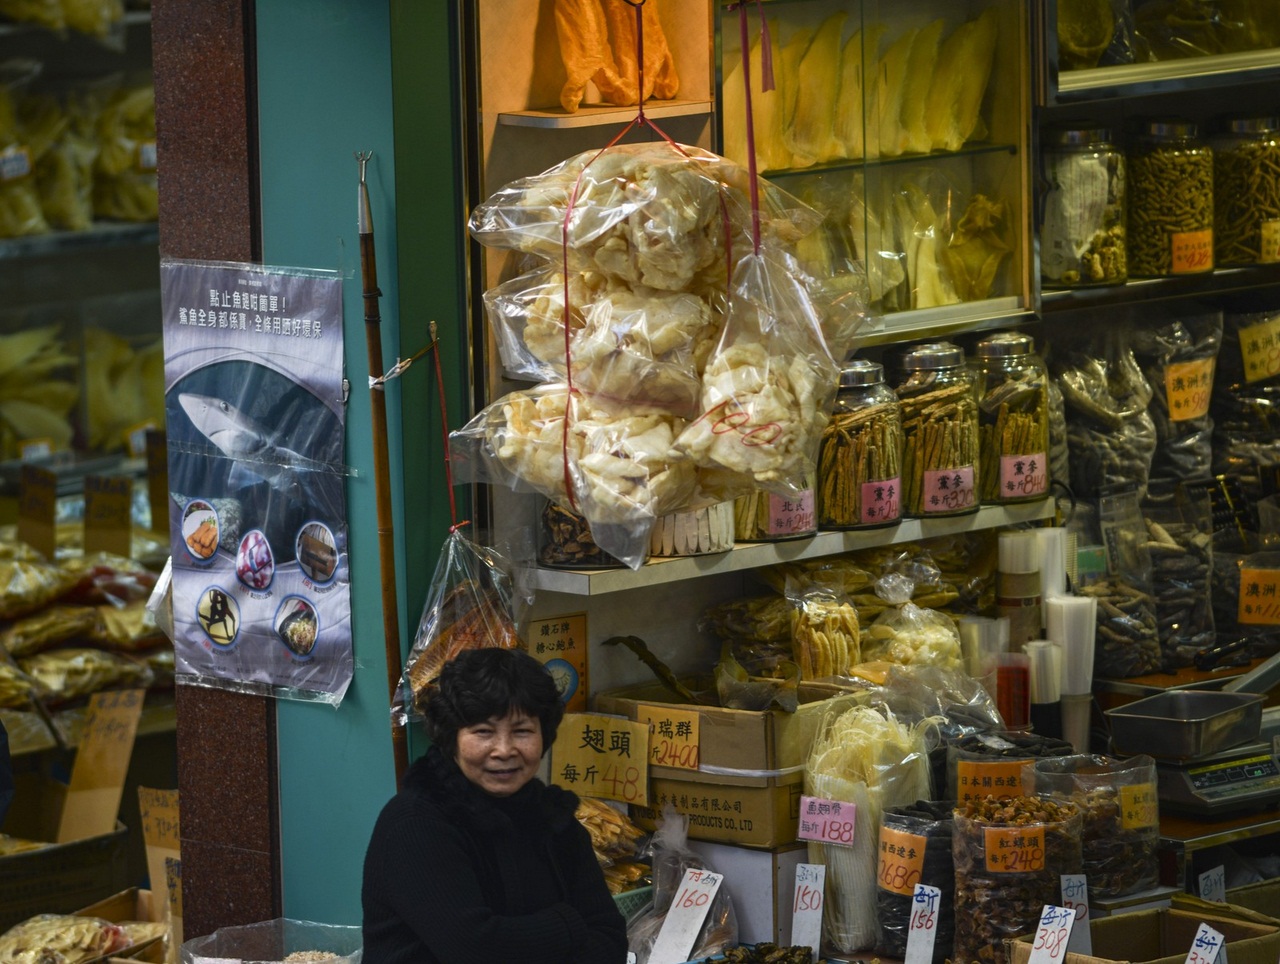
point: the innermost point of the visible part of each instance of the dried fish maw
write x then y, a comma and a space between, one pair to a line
766, 111
960, 81
884, 128
31, 421
918, 226
786, 72
850, 105
811, 134
660, 78
584, 47
977, 247
914, 135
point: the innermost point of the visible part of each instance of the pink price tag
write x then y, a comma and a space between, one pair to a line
1022, 476
791, 515
1052, 935
827, 821
948, 490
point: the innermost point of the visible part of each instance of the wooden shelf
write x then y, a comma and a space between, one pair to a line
751, 555
600, 115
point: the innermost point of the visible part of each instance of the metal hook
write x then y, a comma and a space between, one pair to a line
363, 158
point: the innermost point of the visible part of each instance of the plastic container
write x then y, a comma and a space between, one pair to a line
1170, 200
1246, 191
860, 462
940, 455
1082, 238
1013, 419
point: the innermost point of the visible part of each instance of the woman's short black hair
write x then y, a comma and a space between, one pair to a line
482, 683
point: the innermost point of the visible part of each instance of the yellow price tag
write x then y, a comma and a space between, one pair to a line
1188, 385
1270, 252
602, 756
976, 779
901, 861
673, 735
1014, 850
1138, 807
1192, 251
1260, 349
1259, 602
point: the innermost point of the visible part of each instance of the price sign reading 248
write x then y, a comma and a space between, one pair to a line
1014, 850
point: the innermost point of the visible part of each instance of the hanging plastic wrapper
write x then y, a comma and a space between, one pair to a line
676, 338
471, 604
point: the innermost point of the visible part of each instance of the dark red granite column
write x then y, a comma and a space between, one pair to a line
206, 126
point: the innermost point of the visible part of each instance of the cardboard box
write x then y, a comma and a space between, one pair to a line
761, 811
133, 904
736, 739
61, 877
1162, 937
1263, 897
761, 884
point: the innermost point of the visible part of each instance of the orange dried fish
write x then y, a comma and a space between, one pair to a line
584, 48
660, 77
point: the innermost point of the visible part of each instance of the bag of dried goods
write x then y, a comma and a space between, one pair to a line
990, 763
907, 634
1009, 858
1246, 385
1120, 829
865, 756
20, 212
1180, 543
125, 186
915, 848
67, 674
61, 938
471, 604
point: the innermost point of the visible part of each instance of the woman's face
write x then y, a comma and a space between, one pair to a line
501, 754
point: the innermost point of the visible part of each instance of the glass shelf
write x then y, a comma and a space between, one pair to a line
601, 115
751, 555
1167, 76
976, 149
103, 234
1221, 281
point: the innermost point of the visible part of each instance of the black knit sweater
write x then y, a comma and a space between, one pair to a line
453, 875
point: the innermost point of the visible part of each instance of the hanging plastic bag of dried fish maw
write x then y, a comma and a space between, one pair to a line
65, 675
1110, 434
865, 756
671, 857
124, 187
1009, 858
20, 212
471, 603
908, 634
1120, 813
27, 581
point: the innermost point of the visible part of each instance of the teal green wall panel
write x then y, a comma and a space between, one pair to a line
324, 92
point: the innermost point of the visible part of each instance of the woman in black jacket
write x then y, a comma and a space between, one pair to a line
475, 859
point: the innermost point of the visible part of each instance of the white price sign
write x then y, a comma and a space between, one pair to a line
684, 919
926, 905
1075, 895
806, 910
1208, 947
1213, 884
1052, 935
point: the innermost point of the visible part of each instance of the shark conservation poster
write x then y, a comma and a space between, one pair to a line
257, 511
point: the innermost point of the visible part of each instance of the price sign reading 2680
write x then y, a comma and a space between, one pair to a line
602, 756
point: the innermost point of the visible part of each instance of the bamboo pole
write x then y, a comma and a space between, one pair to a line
381, 463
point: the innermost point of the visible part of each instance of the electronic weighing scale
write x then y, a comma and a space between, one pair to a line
1237, 780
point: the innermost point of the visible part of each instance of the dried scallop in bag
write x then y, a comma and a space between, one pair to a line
471, 604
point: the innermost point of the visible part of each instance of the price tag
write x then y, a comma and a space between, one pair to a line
881, 501
1192, 251
806, 909
1188, 386
901, 861
602, 756
791, 515
1139, 809
173, 888
976, 779
1023, 475
102, 759
1014, 850
1270, 252
1260, 349
108, 515
32, 449
1259, 601
1207, 947
1212, 884
1075, 895
926, 905
948, 490
1052, 934
673, 736
684, 919
560, 643
827, 821
159, 811
37, 503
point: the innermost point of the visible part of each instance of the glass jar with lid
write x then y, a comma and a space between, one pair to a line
1082, 239
939, 398
1246, 191
860, 460
1013, 418
1170, 200
765, 516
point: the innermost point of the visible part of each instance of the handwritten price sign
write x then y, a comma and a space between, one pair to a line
926, 903
1052, 934
1075, 896
806, 910
1213, 884
674, 735
684, 919
1014, 850
827, 821
1206, 947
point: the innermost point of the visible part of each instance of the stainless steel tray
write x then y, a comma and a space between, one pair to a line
1185, 724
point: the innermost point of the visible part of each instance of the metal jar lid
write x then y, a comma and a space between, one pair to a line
1005, 343
1081, 135
1170, 128
860, 373
932, 357
1252, 125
